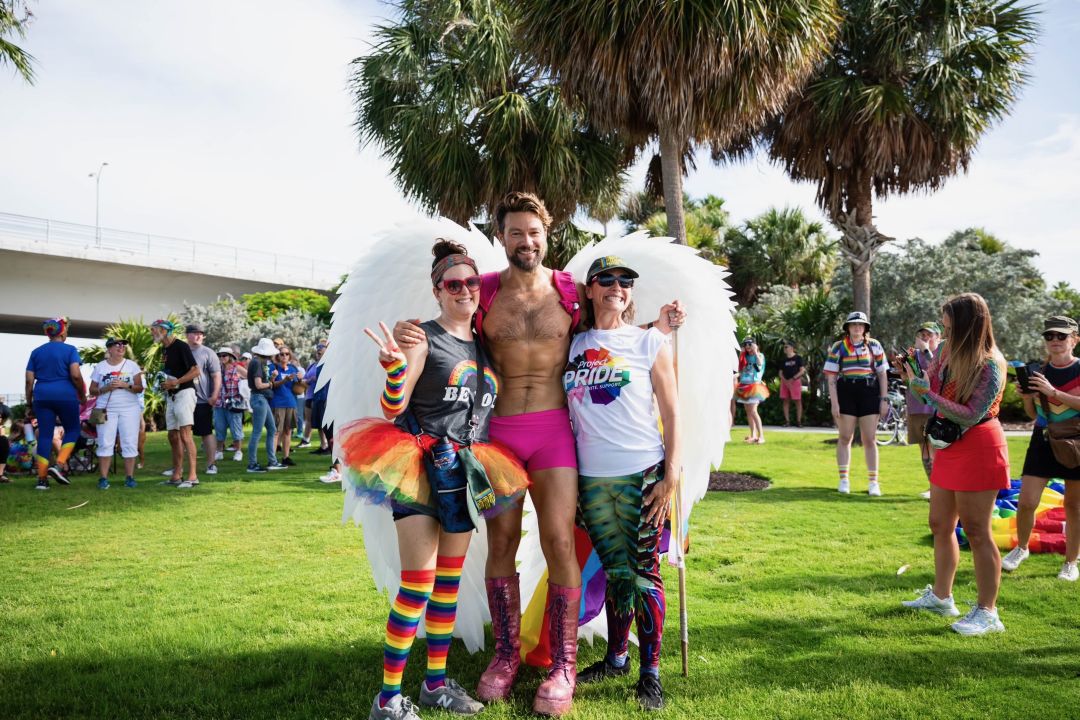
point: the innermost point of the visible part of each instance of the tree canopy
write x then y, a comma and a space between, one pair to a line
15, 17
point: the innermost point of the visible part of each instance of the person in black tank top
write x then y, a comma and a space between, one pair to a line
433, 468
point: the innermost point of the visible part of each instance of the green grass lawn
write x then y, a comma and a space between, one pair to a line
246, 597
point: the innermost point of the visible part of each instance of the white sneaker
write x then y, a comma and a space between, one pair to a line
211, 469
238, 456
979, 621
925, 495
219, 456
1016, 556
932, 603
186, 485
844, 487
167, 473
874, 490
331, 477
1069, 572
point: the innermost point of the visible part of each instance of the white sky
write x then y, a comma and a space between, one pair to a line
230, 122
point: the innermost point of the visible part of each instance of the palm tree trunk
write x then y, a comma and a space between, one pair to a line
861, 198
671, 150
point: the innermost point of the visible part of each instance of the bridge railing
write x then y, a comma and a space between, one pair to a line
54, 237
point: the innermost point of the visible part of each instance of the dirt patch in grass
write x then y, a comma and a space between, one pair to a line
736, 482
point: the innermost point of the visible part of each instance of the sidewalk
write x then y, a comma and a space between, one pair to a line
832, 431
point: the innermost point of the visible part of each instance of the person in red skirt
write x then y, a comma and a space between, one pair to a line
964, 384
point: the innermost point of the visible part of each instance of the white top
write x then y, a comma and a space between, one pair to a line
609, 390
103, 373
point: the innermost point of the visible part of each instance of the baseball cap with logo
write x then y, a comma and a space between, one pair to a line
607, 263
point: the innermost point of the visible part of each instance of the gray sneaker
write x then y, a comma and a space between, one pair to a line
399, 708
450, 696
932, 603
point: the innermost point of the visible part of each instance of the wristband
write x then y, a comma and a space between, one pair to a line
393, 397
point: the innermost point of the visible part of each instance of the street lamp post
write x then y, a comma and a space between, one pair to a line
97, 203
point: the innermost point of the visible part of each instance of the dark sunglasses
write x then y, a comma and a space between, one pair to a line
607, 280
747, 344
454, 287
119, 342
1048, 336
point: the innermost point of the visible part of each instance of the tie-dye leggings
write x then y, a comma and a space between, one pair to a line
629, 551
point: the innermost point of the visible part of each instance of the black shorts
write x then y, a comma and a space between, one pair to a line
308, 403
1040, 460
858, 398
318, 409
204, 420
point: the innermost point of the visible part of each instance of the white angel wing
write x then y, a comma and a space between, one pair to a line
391, 281
707, 351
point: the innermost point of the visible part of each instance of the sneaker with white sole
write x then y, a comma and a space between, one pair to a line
331, 477
932, 603
103, 484
238, 456
276, 466
219, 455
211, 469
398, 707
168, 473
58, 475
450, 696
1069, 572
42, 484
979, 621
844, 487
186, 485
874, 489
925, 494
1016, 556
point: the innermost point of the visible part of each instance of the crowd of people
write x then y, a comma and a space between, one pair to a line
207, 396
520, 384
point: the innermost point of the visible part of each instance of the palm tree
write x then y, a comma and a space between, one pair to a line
898, 106
683, 72
14, 18
778, 247
464, 118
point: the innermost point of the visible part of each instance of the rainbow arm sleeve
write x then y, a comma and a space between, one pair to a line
393, 397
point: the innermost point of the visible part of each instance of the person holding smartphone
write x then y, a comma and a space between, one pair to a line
927, 339
965, 383
1052, 395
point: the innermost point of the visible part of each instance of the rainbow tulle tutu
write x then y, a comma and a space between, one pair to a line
383, 463
751, 392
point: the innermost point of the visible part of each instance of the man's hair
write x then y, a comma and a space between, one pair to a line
521, 202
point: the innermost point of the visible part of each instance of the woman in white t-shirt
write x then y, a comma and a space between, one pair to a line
627, 468
117, 381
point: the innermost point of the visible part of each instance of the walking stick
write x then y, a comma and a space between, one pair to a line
677, 528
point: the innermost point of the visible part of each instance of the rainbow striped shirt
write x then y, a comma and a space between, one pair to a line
1066, 380
855, 361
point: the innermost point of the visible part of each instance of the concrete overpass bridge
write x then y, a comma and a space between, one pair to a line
97, 276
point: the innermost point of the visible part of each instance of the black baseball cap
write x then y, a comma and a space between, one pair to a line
195, 328
115, 341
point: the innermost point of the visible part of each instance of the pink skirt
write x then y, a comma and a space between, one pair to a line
978, 461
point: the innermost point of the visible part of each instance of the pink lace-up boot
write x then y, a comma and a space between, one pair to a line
504, 601
555, 695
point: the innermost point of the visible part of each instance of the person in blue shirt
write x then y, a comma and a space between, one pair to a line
54, 389
283, 375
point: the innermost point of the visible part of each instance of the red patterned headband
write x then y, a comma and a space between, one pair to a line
448, 262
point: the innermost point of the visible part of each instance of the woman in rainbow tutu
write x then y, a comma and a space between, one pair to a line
434, 468
750, 391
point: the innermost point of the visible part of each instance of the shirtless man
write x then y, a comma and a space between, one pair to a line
527, 332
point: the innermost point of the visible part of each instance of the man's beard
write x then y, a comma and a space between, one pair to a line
527, 265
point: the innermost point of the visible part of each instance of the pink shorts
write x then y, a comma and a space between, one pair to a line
541, 439
791, 389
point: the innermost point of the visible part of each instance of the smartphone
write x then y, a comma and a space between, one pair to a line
1022, 378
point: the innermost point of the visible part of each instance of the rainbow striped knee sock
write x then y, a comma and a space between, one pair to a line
405, 614
440, 616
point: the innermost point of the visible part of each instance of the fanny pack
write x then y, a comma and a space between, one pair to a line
1064, 437
943, 432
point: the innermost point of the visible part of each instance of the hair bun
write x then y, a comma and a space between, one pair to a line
444, 247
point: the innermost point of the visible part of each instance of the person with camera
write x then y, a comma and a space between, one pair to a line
855, 370
927, 339
229, 409
1050, 396
964, 383
116, 382
283, 375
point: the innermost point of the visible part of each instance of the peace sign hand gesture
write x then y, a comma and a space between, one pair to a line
389, 352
